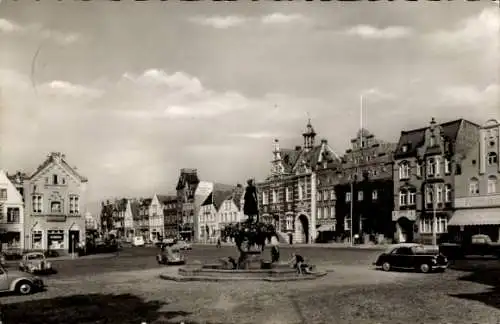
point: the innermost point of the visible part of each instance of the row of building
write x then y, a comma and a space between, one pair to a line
43, 209
444, 173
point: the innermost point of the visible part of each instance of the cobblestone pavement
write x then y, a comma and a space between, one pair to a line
350, 294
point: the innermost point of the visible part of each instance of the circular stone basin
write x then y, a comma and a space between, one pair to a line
216, 272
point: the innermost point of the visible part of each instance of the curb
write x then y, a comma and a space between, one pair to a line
179, 278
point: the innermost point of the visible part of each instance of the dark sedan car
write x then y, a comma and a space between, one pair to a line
411, 256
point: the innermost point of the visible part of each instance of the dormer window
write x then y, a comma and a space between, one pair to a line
404, 148
492, 158
432, 141
54, 179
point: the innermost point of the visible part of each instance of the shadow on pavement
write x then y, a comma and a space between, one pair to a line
489, 277
93, 308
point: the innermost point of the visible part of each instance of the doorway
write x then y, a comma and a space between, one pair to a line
74, 239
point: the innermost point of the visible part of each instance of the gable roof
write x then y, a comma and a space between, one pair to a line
165, 199
415, 138
188, 176
220, 196
57, 157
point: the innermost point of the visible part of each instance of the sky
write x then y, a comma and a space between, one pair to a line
131, 92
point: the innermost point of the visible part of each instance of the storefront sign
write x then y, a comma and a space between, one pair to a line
56, 218
480, 201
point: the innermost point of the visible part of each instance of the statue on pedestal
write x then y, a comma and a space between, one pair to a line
251, 205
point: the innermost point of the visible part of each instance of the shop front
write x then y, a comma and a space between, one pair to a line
55, 239
468, 222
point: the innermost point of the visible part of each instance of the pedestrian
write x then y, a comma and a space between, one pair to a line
275, 252
218, 243
297, 262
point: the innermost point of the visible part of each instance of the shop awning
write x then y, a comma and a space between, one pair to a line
480, 216
325, 228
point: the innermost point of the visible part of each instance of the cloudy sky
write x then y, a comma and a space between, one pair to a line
132, 92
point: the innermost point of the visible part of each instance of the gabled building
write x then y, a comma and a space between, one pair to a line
119, 208
141, 222
287, 198
128, 220
426, 162
365, 189
12, 229
54, 198
186, 187
156, 216
477, 191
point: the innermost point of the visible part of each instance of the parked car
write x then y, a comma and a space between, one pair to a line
411, 256
35, 262
170, 256
20, 282
3, 260
138, 241
479, 244
182, 245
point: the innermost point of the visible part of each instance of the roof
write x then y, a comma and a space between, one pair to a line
146, 202
415, 138
220, 196
165, 199
188, 176
54, 157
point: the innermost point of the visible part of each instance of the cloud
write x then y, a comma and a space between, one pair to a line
377, 94
62, 38
258, 135
280, 18
65, 88
219, 22
370, 32
479, 32
467, 95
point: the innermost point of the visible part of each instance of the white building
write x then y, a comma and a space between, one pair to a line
90, 222
11, 214
157, 217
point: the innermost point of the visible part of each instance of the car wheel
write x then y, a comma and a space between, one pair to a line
386, 266
425, 268
24, 288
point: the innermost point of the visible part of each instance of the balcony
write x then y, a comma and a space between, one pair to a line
411, 214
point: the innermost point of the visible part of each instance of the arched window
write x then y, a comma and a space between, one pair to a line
403, 197
431, 167
404, 170
492, 184
473, 186
447, 193
492, 158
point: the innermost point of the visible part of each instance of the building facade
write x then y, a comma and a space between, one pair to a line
287, 198
54, 196
365, 189
426, 163
477, 194
170, 215
141, 221
156, 218
128, 220
12, 229
186, 187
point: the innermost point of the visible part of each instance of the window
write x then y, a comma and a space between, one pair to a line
289, 222
419, 169
301, 191
264, 198
74, 207
438, 165
332, 195
492, 184
318, 197
442, 224
37, 204
325, 195
492, 158
404, 148
347, 196
432, 141
332, 212
439, 194
374, 195
403, 198
347, 223
404, 170
429, 195
474, 186
275, 197
13, 215
412, 195
54, 179
3, 194
319, 212
55, 207
288, 194
360, 195
326, 211
431, 167
447, 193
425, 225
447, 166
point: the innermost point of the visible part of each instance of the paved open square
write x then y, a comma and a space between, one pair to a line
127, 289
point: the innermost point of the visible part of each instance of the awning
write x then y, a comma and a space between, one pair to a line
480, 216
325, 228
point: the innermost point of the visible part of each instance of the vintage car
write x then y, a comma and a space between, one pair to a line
3, 259
411, 256
20, 282
182, 245
477, 245
35, 262
170, 256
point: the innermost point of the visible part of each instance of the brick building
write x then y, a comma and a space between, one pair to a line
426, 163
477, 195
365, 186
170, 217
186, 187
287, 198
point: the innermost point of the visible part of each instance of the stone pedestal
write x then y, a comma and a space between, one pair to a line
253, 260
